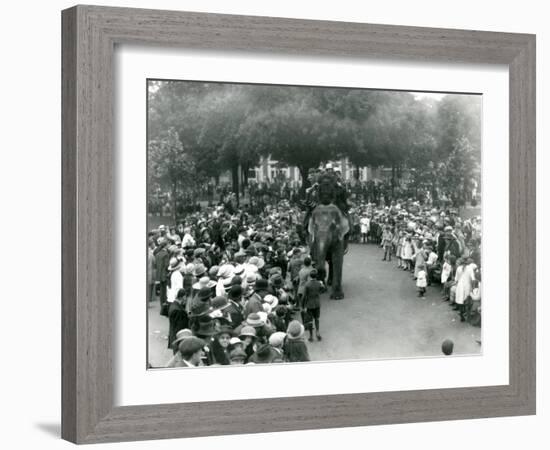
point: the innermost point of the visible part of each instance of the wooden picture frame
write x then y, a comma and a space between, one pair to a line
90, 34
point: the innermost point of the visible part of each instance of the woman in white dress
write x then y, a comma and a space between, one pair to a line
464, 285
364, 223
407, 253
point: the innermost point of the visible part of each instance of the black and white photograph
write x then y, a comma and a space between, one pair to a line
301, 224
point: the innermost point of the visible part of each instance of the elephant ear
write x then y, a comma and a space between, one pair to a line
344, 226
341, 222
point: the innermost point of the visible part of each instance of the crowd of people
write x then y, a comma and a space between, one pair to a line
234, 283
437, 246
241, 288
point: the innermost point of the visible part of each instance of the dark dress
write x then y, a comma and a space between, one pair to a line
295, 350
177, 316
217, 354
235, 311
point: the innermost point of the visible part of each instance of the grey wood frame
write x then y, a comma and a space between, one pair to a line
89, 36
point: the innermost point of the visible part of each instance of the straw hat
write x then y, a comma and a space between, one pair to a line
295, 330
181, 335
226, 271
204, 282
200, 270
188, 269
277, 339
220, 302
235, 341
248, 330
256, 261
271, 300
213, 272
239, 270
255, 320
175, 264
199, 309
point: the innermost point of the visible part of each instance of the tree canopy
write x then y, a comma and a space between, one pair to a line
221, 127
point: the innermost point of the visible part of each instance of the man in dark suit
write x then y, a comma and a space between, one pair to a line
162, 261
312, 304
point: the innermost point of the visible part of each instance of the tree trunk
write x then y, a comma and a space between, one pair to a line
245, 168
245, 187
235, 178
174, 201
392, 179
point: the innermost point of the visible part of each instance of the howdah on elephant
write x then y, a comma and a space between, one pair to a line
327, 228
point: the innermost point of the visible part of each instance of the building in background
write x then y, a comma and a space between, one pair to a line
270, 170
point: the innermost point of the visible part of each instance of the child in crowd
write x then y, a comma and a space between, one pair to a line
295, 349
219, 352
407, 253
303, 278
474, 316
451, 278
387, 238
445, 275
431, 264
421, 282
399, 251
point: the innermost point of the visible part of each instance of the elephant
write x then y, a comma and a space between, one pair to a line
327, 228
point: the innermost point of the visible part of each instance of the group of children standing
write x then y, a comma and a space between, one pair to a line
438, 253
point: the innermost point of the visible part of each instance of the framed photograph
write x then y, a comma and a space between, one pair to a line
316, 224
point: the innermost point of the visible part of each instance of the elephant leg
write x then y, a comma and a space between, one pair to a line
337, 258
330, 271
321, 272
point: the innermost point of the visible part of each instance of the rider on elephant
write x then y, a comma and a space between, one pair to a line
338, 194
341, 194
311, 197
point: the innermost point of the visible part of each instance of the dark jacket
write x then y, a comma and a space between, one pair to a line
235, 311
441, 244
454, 248
312, 294
295, 350
253, 305
217, 354
162, 261
266, 354
294, 267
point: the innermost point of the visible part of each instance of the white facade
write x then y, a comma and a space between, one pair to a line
269, 169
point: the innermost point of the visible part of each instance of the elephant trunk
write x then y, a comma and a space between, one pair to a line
321, 246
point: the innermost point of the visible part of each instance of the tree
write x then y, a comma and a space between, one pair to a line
229, 127
458, 134
183, 107
297, 134
460, 168
169, 165
223, 131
